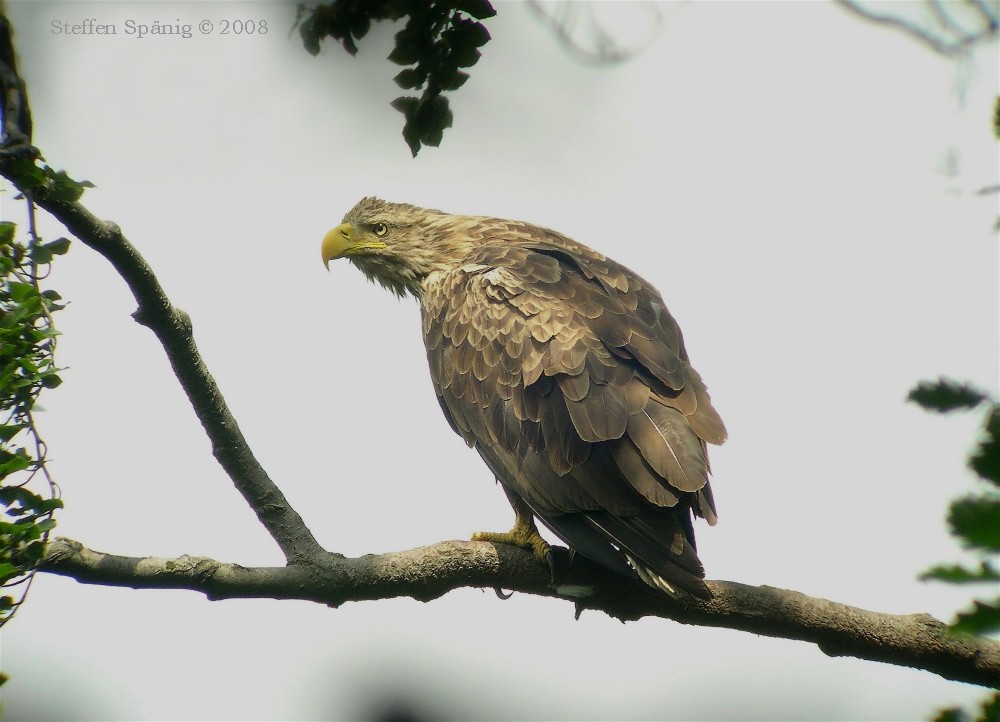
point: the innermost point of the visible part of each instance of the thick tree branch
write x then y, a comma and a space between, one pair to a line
15, 132
172, 328
913, 640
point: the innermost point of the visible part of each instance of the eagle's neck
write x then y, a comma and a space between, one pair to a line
436, 246
389, 273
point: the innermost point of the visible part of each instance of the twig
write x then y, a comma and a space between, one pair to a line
988, 15
568, 20
939, 43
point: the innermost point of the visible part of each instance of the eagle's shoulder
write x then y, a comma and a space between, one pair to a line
533, 313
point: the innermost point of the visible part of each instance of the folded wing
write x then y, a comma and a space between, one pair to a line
569, 376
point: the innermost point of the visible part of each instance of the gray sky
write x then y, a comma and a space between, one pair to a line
777, 170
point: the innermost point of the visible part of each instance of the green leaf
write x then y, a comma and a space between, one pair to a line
990, 711
309, 34
360, 25
10, 495
64, 188
7, 230
9, 431
20, 495
433, 117
49, 505
412, 137
40, 255
465, 56
46, 525
982, 619
411, 45
28, 175
18, 463
952, 714
986, 459
977, 521
464, 38
474, 34
946, 395
34, 551
8, 571
405, 104
450, 78
410, 78
59, 246
957, 574
19, 291
25, 530
432, 137
45, 333
478, 9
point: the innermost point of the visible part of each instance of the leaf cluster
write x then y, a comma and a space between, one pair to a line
27, 365
438, 40
973, 519
40, 182
989, 711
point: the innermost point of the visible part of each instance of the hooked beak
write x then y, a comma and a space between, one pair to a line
337, 243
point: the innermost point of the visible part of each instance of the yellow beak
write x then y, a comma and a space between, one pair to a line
345, 240
337, 243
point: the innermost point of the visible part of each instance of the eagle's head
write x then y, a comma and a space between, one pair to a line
400, 245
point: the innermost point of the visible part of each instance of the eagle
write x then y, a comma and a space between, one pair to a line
568, 375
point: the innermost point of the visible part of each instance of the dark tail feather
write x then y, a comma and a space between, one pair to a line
659, 550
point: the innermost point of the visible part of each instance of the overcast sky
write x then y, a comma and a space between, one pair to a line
799, 185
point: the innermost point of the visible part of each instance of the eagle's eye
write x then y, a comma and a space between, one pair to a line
381, 229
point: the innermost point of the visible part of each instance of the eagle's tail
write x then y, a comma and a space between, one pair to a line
692, 586
660, 549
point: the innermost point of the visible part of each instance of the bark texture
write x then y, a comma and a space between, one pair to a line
911, 640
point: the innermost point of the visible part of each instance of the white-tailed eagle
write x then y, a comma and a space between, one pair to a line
568, 375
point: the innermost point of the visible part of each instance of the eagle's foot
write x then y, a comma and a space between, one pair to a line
524, 534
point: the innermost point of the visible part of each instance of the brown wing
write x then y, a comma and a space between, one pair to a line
568, 375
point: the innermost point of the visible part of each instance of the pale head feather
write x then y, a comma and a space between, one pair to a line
419, 241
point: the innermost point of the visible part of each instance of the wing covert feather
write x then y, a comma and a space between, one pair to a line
568, 375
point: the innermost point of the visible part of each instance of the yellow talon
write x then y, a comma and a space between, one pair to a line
524, 534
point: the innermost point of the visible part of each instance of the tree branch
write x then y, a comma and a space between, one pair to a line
15, 133
913, 640
942, 44
172, 328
